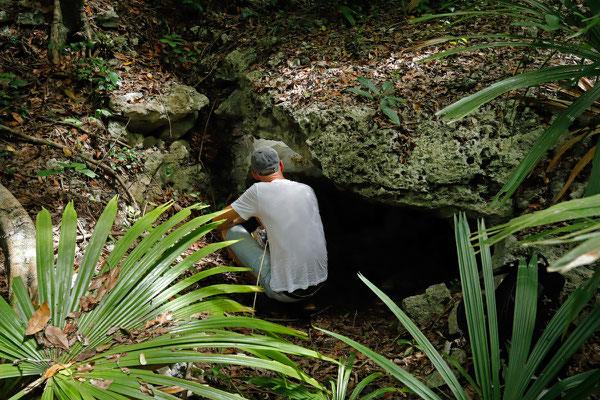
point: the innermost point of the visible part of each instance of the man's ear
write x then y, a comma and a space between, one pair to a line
281, 165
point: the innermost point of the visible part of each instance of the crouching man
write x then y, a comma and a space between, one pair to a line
293, 265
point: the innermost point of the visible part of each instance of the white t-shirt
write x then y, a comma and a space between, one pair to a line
290, 214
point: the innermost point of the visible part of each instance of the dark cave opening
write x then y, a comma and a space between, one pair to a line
401, 250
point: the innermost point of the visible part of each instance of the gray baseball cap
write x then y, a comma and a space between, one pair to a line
265, 161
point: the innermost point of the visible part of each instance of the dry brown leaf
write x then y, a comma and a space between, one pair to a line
17, 117
67, 152
50, 372
74, 315
201, 315
88, 302
84, 369
84, 355
109, 284
107, 346
57, 337
171, 389
145, 389
70, 94
125, 370
101, 383
585, 160
97, 281
38, 320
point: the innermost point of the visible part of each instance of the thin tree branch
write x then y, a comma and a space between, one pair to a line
108, 170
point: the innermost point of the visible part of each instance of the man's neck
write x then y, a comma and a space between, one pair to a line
272, 177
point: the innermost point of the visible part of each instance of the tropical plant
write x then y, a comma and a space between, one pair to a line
579, 22
95, 336
579, 222
384, 95
339, 386
525, 376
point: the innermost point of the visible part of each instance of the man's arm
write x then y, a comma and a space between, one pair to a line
231, 218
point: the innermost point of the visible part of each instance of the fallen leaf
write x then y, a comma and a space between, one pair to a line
88, 302
57, 337
70, 94
74, 315
101, 383
67, 152
201, 315
125, 370
38, 320
50, 372
85, 355
143, 359
83, 137
9, 148
84, 369
107, 346
171, 389
145, 389
17, 117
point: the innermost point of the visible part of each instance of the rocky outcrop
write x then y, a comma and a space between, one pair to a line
442, 167
168, 117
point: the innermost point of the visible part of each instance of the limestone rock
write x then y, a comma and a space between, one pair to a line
4, 17
236, 63
441, 167
31, 18
421, 308
295, 166
171, 116
108, 18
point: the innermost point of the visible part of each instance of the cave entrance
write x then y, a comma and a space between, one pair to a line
401, 250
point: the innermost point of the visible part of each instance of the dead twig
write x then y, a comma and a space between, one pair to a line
108, 170
83, 130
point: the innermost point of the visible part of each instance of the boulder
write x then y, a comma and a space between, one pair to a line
170, 116
436, 166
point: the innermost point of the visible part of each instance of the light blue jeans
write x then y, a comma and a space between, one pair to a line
251, 254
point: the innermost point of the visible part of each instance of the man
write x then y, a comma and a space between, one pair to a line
293, 265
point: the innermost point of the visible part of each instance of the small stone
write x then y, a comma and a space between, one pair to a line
108, 18
418, 309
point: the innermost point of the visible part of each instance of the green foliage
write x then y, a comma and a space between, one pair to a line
77, 167
351, 12
10, 86
583, 231
178, 46
339, 386
582, 25
126, 159
96, 334
383, 95
528, 371
102, 77
193, 4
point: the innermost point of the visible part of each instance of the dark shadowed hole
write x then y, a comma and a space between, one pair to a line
401, 250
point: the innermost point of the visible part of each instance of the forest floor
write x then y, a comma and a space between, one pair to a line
308, 54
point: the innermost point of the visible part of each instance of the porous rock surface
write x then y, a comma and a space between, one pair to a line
169, 117
445, 167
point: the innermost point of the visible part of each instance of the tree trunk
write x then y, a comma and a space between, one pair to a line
69, 18
17, 239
